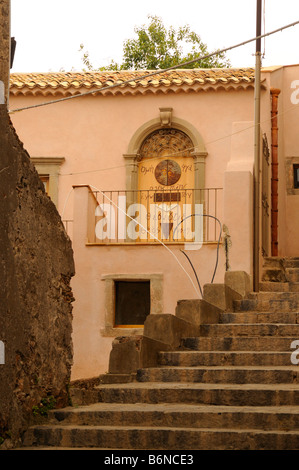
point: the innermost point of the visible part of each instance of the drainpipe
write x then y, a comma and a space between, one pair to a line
274, 178
257, 136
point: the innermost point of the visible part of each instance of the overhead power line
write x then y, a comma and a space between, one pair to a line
156, 72
174, 154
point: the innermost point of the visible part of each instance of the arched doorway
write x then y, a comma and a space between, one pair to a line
165, 171
166, 182
165, 161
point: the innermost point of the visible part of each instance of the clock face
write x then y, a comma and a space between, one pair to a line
167, 172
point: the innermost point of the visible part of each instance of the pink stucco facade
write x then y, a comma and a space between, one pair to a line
91, 144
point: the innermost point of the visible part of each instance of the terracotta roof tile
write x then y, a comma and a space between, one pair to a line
128, 81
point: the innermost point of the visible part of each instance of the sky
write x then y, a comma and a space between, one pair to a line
49, 34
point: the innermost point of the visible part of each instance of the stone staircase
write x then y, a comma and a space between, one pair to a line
232, 385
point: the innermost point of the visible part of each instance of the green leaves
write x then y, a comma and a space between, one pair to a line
157, 48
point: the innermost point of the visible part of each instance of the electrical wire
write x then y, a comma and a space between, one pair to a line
157, 72
153, 236
218, 244
173, 154
140, 225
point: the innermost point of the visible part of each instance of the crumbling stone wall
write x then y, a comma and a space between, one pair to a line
36, 266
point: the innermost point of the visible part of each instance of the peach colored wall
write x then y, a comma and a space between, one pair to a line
92, 350
97, 131
93, 133
288, 144
289, 122
238, 196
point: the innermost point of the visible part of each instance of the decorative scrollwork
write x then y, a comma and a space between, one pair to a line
166, 142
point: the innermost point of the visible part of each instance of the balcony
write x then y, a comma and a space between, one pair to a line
142, 217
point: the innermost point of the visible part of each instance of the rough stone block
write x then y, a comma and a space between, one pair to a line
167, 328
220, 295
36, 296
130, 353
239, 281
125, 355
197, 312
150, 349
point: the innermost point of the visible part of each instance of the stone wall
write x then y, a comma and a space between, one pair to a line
36, 266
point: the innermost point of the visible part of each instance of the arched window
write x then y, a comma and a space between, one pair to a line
165, 161
165, 176
166, 183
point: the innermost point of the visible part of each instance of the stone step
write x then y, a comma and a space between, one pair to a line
291, 262
293, 286
264, 296
273, 262
179, 415
133, 437
274, 286
245, 343
200, 393
233, 387
228, 358
288, 271
250, 329
273, 305
258, 317
221, 374
292, 274
273, 274
282, 263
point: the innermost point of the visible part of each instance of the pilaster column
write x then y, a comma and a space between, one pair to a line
131, 177
199, 161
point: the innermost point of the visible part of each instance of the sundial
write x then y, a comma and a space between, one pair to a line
167, 172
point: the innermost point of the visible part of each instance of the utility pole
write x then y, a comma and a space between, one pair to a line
257, 133
4, 51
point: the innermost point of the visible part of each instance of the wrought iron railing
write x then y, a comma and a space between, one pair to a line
154, 216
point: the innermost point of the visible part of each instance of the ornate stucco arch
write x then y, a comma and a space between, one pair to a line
165, 120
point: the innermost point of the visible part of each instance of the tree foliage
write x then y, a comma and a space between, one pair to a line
156, 48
